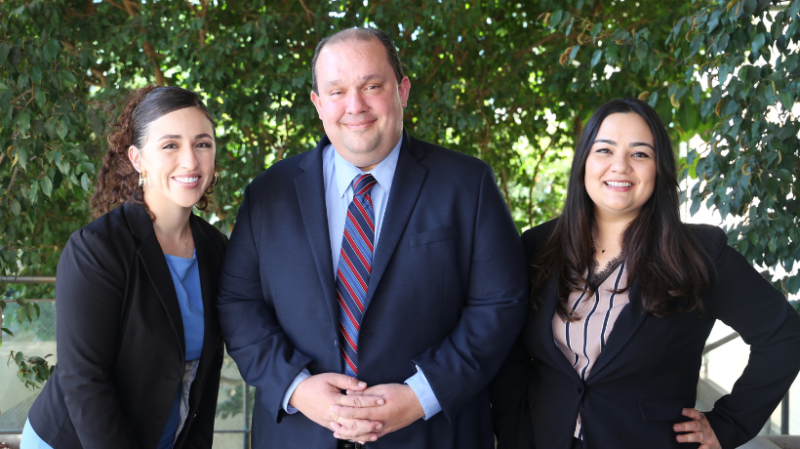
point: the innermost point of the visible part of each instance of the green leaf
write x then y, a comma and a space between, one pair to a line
694, 47
68, 78
596, 28
713, 21
786, 100
3, 88
85, 182
5, 329
88, 167
596, 57
22, 157
47, 186
36, 74
23, 122
4, 49
61, 130
15, 207
758, 42
41, 99
555, 18
652, 99
52, 47
697, 91
641, 51
574, 52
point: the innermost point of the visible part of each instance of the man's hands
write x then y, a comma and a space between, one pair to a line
400, 410
316, 396
698, 430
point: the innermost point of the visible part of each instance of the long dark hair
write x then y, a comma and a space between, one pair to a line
659, 250
118, 181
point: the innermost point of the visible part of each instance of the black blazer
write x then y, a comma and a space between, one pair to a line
120, 339
649, 368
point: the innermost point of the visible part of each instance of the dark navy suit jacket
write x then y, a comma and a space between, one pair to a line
447, 293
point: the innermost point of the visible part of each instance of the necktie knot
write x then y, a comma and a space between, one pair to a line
363, 184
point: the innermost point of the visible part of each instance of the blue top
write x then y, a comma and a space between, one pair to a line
186, 277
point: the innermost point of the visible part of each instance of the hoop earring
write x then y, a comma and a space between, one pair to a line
142, 180
216, 179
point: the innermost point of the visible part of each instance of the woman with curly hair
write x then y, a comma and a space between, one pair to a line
623, 298
139, 346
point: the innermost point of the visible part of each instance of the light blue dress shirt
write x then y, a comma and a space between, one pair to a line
338, 177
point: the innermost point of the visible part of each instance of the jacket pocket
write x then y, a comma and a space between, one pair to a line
434, 235
654, 410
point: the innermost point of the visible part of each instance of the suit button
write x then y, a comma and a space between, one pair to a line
335, 342
579, 389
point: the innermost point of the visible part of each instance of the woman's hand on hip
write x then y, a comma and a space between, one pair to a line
698, 430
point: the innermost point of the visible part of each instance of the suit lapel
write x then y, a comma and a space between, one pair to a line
628, 322
208, 286
544, 325
406, 186
310, 187
155, 264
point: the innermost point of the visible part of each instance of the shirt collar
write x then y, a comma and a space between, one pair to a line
383, 173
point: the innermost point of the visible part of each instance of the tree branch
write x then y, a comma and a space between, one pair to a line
131, 7
116, 5
151, 53
10, 184
309, 14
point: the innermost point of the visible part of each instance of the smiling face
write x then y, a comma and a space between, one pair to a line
620, 172
178, 159
360, 101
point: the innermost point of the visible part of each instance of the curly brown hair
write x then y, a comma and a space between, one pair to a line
118, 181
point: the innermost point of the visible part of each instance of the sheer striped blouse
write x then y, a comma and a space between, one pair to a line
582, 341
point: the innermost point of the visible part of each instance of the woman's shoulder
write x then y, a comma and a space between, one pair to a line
111, 228
534, 238
711, 239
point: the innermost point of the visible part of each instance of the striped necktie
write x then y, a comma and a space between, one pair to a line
355, 266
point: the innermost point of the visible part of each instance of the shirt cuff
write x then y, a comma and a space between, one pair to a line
419, 384
303, 375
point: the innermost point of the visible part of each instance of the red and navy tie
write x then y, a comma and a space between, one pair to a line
355, 266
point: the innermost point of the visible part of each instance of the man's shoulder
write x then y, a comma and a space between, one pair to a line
285, 169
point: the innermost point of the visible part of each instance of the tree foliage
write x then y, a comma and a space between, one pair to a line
510, 82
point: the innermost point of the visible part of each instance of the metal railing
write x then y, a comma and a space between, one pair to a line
784, 402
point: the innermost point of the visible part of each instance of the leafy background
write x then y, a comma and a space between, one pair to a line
511, 82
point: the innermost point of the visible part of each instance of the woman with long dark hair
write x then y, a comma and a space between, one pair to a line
623, 298
139, 346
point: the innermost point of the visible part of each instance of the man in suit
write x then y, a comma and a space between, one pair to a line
376, 263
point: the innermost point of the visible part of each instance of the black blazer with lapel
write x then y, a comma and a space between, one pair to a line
120, 339
648, 370
447, 293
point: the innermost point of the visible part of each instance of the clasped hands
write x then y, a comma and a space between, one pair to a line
363, 413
